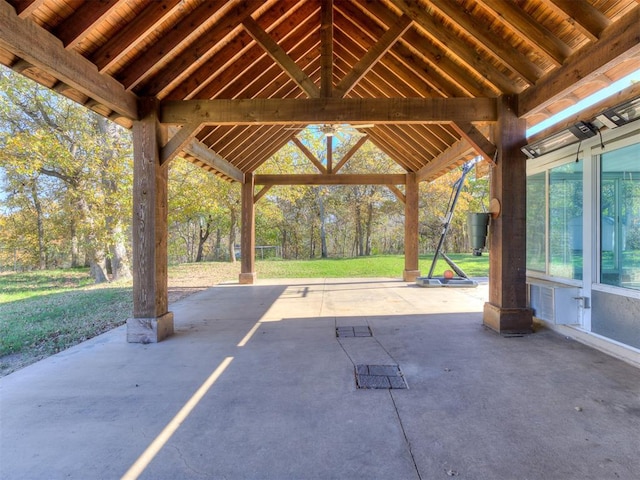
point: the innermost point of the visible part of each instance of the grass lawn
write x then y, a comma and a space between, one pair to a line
44, 312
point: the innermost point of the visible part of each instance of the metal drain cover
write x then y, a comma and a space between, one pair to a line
359, 331
380, 376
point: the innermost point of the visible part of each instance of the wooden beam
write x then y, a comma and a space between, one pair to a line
128, 36
332, 179
432, 27
307, 153
356, 146
178, 141
443, 161
290, 111
411, 239
151, 320
248, 232
494, 46
326, 48
186, 28
398, 193
25, 8
76, 27
476, 138
261, 193
213, 160
281, 57
507, 311
175, 68
618, 41
329, 142
582, 15
32, 43
533, 33
372, 56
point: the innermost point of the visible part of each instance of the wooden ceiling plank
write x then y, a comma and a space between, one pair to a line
478, 141
402, 138
213, 160
40, 48
434, 30
127, 37
281, 57
533, 33
143, 63
618, 41
254, 63
581, 14
498, 48
330, 179
254, 151
347, 156
390, 143
178, 141
24, 8
240, 49
373, 55
76, 27
326, 42
307, 153
430, 59
328, 110
445, 160
185, 61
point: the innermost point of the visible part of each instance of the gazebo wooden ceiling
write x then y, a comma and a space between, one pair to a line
341, 55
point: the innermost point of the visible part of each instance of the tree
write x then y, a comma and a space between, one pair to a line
87, 159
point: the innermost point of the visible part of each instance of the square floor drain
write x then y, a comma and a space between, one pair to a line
380, 376
359, 331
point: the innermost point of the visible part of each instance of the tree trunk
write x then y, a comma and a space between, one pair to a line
42, 254
75, 245
323, 230
367, 251
119, 261
232, 236
203, 235
218, 243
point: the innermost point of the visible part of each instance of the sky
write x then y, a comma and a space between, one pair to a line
612, 89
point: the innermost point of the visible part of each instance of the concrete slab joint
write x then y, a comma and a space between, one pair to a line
150, 330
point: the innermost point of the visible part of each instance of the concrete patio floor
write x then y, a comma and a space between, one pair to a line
256, 385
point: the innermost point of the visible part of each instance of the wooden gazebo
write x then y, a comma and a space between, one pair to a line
222, 83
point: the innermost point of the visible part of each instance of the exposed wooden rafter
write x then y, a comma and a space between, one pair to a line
620, 40
444, 161
76, 27
43, 50
326, 48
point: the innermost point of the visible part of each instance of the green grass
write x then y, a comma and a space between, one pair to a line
42, 313
378, 266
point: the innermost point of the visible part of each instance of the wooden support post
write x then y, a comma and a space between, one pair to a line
248, 232
506, 311
151, 320
411, 268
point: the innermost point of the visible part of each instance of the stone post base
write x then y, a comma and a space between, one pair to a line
149, 330
247, 278
410, 275
508, 320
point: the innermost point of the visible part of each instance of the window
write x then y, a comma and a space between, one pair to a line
565, 221
554, 221
620, 217
536, 222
